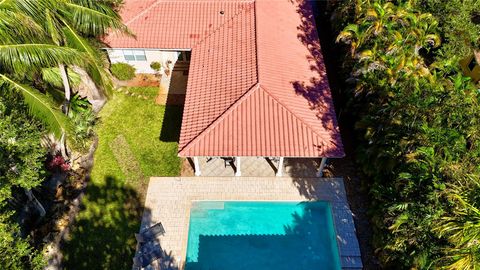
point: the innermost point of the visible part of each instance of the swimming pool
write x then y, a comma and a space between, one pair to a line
234, 235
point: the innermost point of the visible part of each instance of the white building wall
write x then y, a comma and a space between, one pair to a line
152, 55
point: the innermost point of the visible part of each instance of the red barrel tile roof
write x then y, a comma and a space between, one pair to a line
257, 83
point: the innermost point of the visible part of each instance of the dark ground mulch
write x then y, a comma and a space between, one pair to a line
355, 185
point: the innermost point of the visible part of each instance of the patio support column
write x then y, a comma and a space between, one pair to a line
197, 166
238, 171
280, 167
322, 166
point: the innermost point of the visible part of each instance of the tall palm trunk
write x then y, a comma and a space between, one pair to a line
66, 86
66, 105
36, 203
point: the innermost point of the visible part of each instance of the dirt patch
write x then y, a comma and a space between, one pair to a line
128, 163
140, 80
186, 169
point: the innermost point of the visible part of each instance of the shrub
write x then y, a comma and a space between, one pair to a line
418, 124
156, 66
122, 71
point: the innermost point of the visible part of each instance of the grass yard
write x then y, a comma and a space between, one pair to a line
137, 139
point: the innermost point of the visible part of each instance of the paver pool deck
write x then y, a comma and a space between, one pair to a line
169, 199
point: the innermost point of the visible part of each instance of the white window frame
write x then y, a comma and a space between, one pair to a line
134, 55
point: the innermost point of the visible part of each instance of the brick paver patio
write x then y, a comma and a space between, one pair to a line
169, 198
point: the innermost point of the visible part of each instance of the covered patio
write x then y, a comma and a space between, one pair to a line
258, 166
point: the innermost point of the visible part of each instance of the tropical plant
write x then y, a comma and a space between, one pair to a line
459, 24
53, 77
83, 119
17, 59
40, 38
67, 23
418, 121
462, 226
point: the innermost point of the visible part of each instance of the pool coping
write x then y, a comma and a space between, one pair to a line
331, 190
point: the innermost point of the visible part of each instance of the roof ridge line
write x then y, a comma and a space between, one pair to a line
143, 12
234, 16
188, 1
290, 111
234, 105
256, 39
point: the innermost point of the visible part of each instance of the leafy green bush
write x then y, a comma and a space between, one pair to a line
21, 167
122, 71
83, 119
418, 125
155, 66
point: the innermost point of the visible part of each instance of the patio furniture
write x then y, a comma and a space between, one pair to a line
147, 253
150, 233
228, 161
147, 258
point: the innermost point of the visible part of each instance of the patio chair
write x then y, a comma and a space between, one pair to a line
137, 264
150, 233
147, 259
228, 161
146, 254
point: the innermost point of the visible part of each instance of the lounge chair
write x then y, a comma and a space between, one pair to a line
147, 254
150, 233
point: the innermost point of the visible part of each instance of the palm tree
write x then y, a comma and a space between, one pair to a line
38, 35
66, 23
24, 48
462, 228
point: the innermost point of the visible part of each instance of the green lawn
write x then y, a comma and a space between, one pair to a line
150, 91
137, 139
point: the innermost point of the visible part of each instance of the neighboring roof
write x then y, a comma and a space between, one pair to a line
257, 84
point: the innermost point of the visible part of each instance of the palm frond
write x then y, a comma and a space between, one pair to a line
95, 68
53, 77
40, 106
51, 24
33, 8
18, 28
19, 58
94, 18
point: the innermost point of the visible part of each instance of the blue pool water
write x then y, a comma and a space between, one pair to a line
235, 235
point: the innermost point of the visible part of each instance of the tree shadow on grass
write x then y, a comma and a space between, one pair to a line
102, 237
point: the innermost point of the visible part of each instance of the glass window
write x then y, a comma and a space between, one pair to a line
140, 55
134, 55
128, 54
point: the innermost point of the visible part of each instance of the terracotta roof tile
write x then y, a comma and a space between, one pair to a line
172, 24
222, 69
291, 66
277, 132
257, 83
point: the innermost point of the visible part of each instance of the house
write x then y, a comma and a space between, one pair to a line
257, 84
471, 66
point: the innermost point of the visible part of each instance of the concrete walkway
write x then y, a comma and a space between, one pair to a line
169, 199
